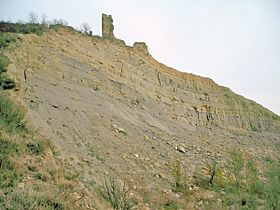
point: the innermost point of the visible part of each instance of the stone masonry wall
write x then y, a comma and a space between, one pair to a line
107, 26
141, 46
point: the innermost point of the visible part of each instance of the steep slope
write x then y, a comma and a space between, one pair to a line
187, 98
110, 109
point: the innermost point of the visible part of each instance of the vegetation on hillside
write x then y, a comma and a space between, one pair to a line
5, 81
36, 25
29, 175
240, 184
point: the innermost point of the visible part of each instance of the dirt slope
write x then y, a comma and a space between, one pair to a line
110, 109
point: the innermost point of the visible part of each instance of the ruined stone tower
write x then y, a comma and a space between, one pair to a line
107, 26
142, 47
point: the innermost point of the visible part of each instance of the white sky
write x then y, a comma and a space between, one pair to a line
236, 43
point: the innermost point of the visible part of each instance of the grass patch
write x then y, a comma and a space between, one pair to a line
22, 157
6, 39
8, 174
73, 176
272, 187
171, 205
16, 156
5, 82
7, 147
25, 201
11, 116
4, 61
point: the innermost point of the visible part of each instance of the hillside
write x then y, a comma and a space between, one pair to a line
112, 110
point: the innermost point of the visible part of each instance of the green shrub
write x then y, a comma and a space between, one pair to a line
117, 195
7, 147
171, 205
3, 63
34, 148
180, 184
11, 116
272, 192
6, 83
2, 42
5, 39
27, 28
243, 188
236, 167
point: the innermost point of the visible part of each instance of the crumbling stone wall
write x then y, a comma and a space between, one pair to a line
107, 26
141, 46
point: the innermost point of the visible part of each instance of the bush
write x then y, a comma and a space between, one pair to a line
242, 186
180, 180
34, 148
5, 39
27, 28
171, 205
6, 83
117, 195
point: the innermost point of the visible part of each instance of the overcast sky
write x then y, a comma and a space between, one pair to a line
236, 43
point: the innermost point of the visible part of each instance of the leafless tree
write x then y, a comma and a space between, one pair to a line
117, 194
59, 22
32, 17
55, 21
44, 20
20, 21
85, 28
63, 22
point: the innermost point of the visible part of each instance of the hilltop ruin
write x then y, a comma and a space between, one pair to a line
107, 26
108, 33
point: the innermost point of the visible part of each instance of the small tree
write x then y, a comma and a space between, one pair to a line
32, 17
85, 28
44, 20
180, 180
61, 22
116, 194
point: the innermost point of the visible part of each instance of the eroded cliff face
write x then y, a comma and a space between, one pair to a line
113, 109
186, 98
189, 98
